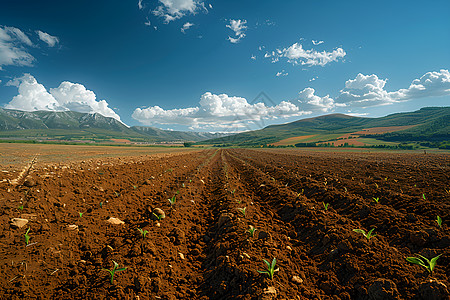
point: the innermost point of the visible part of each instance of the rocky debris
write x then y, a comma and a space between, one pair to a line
115, 221
297, 279
29, 181
18, 222
268, 294
433, 290
179, 236
383, 289
158, 212
72, 227
224, 218
181, 255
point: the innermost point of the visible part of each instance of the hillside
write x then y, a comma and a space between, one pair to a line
431, 123
75, 126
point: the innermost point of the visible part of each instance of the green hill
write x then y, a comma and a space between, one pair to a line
432, 123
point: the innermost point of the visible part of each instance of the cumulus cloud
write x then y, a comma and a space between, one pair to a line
296, 55
369, 90
49, 39
13, 47
310, 101
172, 10
217, 112
68, 96
282, 73
140, 6
239, 27
186, 26
315, 43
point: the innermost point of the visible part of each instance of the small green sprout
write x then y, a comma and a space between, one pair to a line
135, 187
242, 210
251, 230
101, 204
270, 268
117, 194
367, 235
377, 199
159, 217
423, 196
114, 270
20, 207
345, 189
426, 263
80, 214
173, 200
143, 232
27, 237
325, 205
439, 221
234, 190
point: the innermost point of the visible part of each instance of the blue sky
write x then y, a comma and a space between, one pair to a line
199, 65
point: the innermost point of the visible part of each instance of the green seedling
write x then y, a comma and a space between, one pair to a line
367, 235
20, 207
270, 268
242, 210
159, 217
439, 221
80, 214
325, 205
143, 232
101, 204
173, 200
423, 196
424, 262
251, 230
234, 190
114, 270
135, 187
117, 194
345, 189
377, 199
27, 237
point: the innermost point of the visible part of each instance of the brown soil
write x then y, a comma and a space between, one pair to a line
202, 250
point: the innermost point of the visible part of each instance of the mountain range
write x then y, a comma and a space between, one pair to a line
70, 126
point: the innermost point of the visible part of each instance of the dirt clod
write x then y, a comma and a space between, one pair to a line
433, 290
383, 289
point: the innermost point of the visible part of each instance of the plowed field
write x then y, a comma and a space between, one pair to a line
203, 249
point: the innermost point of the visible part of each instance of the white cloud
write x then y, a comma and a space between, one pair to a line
148, 23
368, 90
186, 26
172, 10
315, 43
217, 111
140, 4
296, 55
282, 73
13, 43
253, 57
309, 101
313, 79
68, 96
239, 27
49, 39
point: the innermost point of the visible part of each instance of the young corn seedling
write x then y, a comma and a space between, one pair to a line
114, 270
325, 205
251, 230
20, 207
80, 214
135, 187
377, 199
173, 200
424, 262
27, 237
270, 268
159, 217
242, 210
439, 221
367, 235
143, 232
423, 196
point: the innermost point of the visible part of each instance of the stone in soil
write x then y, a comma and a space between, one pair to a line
268, 294
18, 222
159, 212
115, 221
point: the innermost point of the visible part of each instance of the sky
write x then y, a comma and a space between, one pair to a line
225, 66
